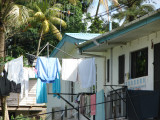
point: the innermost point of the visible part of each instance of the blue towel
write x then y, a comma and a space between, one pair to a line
48, 69
41, 92
56, 87
100, 109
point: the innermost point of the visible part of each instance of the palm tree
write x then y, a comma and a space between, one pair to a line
133, 9
11, 17
48, 18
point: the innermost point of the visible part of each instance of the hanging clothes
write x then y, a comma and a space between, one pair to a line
5, 85
31, 59
48, 69
87, 72
82, 104
15, 88
15, 70
56, 87
69, 69
41, 92
100, 109
88, 102
93, 106
25, 82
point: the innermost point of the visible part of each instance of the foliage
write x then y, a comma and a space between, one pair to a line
21, 117
48, 17
96, 25
106, 26
74, 21
133, 9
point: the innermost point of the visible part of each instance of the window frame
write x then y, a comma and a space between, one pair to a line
134, 63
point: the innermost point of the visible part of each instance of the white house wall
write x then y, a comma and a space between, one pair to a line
127, 49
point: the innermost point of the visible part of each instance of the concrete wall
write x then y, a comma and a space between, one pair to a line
131, 46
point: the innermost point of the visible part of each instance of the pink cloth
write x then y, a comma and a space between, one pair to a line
93, 107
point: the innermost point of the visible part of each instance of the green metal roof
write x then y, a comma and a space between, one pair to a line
74, 38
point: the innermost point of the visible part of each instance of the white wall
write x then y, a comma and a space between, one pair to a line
130, 47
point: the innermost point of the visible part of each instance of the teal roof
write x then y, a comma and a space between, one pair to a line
83, 36
74, 38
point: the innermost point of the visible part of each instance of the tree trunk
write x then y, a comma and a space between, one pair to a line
98, 8
39, 42
4, 108
2, 54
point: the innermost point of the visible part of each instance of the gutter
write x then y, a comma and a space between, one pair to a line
148, 18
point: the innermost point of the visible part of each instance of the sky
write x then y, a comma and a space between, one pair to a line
93, 7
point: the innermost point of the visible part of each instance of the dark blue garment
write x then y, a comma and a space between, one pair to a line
48, 69
146, 104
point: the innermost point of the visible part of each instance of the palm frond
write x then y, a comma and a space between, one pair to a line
55, 12
55, 32
58, 21
16, 14
39, 16
74, 2
45, 26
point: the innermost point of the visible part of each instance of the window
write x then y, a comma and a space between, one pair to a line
121, 70
139, 63
108, 70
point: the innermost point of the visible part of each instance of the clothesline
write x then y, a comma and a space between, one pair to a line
67, 109
72, 93
57, 49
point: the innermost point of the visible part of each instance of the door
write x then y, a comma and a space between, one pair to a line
157, 67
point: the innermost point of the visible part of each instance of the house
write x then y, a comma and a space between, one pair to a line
131, 58
67, 48
126, 56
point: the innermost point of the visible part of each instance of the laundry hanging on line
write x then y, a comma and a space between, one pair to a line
69, 69
48, 71
56, 87
100, 109
28, 72
93, 102
15, 73
41, 92
31, 59
83, 70
5, 84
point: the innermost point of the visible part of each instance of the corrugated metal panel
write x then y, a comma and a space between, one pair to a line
83, 36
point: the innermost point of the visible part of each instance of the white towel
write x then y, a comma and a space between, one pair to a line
15, 70
69, 69
87, 72
25, 82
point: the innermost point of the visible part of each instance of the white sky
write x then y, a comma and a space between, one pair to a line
93, 7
